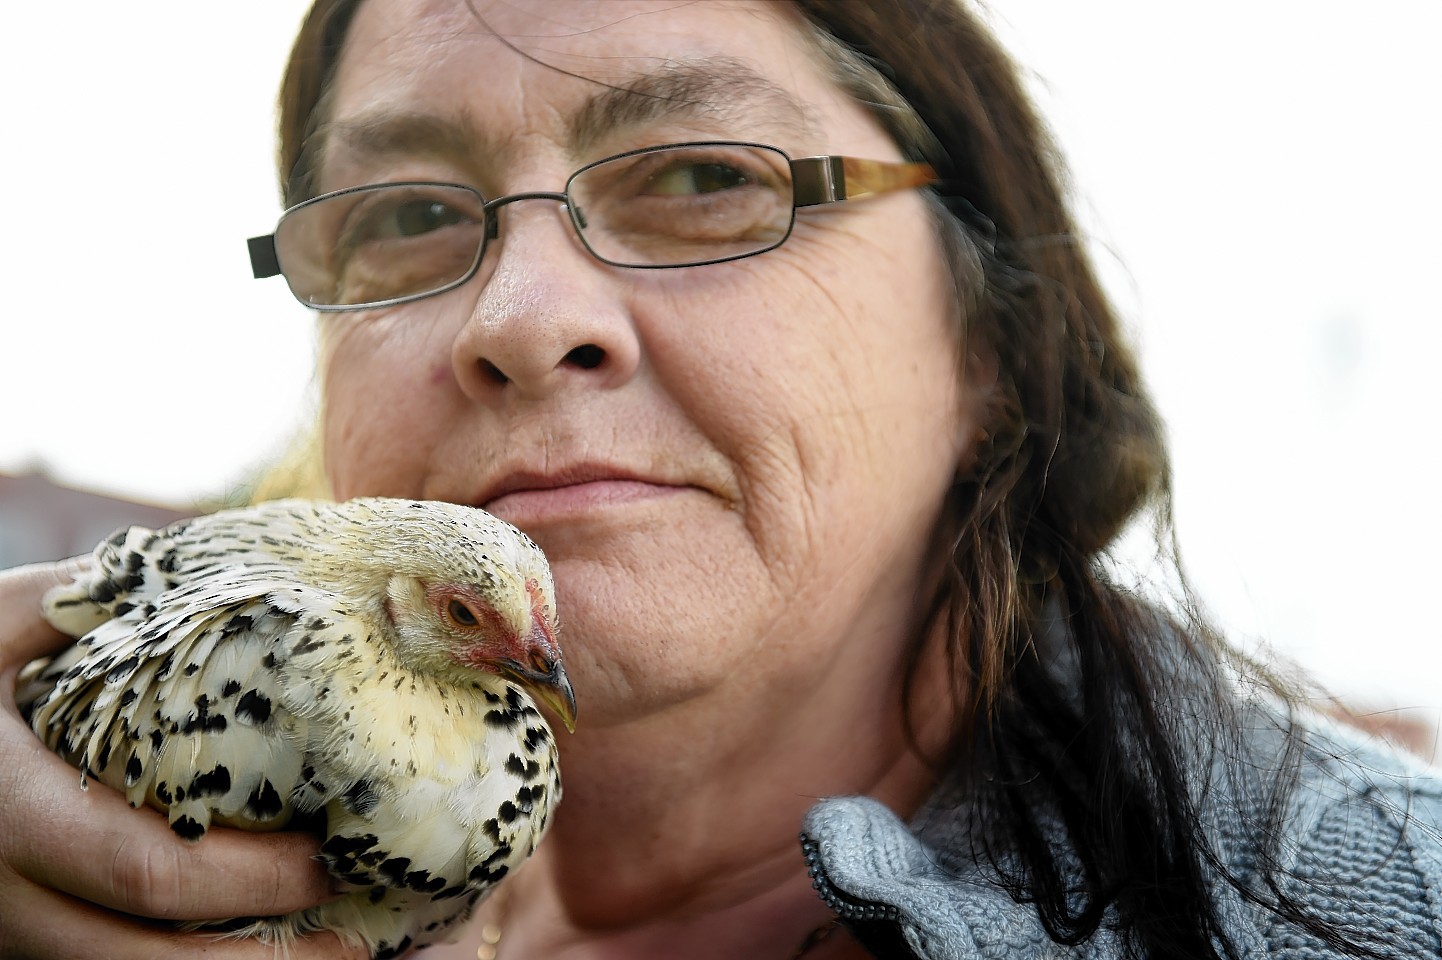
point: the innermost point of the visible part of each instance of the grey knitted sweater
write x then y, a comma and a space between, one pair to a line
1362, 848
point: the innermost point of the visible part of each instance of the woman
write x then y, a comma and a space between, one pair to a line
824, 507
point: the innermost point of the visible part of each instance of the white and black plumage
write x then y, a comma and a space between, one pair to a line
367, 667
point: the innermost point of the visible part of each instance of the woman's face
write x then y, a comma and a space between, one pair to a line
733, 467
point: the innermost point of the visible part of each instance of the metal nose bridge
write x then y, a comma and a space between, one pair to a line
493, 222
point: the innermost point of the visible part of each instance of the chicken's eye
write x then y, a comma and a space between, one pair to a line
461, 614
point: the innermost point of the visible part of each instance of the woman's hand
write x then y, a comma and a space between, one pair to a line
84, 875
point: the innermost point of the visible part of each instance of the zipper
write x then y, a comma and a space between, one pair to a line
843, 904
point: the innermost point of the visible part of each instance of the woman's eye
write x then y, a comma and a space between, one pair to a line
381, 219
416, 217
461, 614
693, 178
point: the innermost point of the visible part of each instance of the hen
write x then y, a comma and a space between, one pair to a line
365, 668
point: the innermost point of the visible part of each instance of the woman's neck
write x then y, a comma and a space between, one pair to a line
698, 856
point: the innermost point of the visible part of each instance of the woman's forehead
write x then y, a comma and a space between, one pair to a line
580, 69
589, 36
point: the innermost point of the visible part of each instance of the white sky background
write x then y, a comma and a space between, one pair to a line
1259, 178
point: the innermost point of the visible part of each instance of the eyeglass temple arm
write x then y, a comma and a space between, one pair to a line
817, 180
263, 261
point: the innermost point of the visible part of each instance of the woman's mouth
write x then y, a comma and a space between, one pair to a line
528, 500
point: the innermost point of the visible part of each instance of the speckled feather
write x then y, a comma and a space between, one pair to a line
281, 661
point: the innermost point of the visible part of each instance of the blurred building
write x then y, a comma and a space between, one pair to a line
42, 520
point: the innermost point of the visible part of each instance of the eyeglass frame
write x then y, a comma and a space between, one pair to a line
815, 181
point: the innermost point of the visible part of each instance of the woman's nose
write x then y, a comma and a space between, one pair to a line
548, 314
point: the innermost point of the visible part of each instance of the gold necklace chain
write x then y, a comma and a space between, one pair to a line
490, 941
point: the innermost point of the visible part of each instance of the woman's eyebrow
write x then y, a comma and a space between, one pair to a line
390, 134
721, 89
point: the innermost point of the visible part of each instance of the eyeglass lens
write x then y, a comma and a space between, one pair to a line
661, 207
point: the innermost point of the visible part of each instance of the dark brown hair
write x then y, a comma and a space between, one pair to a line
1079, 777
1073, 449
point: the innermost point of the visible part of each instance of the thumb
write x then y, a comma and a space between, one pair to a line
24, 634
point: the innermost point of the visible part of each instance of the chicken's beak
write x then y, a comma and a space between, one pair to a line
547, 681
557, 694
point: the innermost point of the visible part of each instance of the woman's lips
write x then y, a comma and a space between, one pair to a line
529, 505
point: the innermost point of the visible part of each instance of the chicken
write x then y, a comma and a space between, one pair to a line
365, 669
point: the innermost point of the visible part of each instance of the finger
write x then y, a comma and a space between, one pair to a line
90, 843
43, 924
24, 634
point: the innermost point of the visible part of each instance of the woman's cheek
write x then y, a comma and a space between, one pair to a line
372, 395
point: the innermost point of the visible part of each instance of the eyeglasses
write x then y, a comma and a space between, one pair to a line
679, 205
